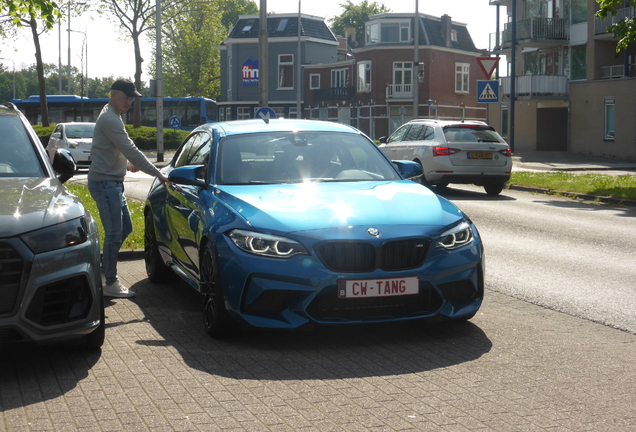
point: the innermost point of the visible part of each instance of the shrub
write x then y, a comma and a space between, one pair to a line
145, 138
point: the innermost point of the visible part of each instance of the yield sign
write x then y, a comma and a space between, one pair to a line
488, 65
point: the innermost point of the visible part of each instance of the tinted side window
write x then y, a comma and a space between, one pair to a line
413, 133
187, 149
398, 135
428, 133
201, 154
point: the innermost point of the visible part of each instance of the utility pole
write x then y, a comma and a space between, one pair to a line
159, 83
416, 61
263, 57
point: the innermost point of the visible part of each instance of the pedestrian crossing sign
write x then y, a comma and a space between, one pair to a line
488, 91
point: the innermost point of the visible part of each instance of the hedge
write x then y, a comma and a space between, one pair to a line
145, 138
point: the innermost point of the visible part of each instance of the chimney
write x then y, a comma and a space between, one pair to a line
446, 29
350, 33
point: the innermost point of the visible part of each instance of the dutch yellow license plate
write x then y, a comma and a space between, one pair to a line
479, 155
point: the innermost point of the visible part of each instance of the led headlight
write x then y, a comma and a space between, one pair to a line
58, 236
459, 236
266, 244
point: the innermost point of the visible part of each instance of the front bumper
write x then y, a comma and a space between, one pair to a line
51, 297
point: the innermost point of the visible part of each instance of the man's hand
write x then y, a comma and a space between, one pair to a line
131, 167
162, 178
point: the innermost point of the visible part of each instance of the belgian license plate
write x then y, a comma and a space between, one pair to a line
378, 287
479, 155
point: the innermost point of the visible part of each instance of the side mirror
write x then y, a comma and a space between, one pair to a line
188, 175
408, 169
382, 140
64, 164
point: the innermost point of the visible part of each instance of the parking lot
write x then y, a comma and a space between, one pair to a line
514, 367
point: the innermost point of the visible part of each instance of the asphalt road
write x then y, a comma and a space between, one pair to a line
567, 255
563, 254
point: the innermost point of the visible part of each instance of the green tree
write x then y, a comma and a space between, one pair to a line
625, 29
191, 67
39, 16
355, 16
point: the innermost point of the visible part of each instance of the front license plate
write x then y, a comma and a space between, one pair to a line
479, 155
378, 287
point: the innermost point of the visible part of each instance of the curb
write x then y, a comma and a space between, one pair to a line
582, 197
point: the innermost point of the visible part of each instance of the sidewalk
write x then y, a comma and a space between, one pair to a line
564, 161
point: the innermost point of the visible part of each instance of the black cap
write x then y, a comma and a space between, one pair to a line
125, 86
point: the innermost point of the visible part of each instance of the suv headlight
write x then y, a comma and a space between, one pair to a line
58, 236
266, 244
457, 237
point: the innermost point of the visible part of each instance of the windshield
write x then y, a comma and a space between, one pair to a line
288, 157
19, 158
80, 131
470, 133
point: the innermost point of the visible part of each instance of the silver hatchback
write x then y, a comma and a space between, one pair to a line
466, 152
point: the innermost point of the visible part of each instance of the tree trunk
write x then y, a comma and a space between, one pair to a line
138, 62
44, 109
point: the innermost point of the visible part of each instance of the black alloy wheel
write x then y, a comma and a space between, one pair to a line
217, 321
156, 269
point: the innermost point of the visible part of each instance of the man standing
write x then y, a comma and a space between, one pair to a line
112, 154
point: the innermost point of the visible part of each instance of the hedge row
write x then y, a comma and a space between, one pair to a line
145, 138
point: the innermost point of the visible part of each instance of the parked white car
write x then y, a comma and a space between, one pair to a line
76, 138
465, 152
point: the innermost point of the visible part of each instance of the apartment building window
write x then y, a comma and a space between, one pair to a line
505, 113
462, 74
453, 35
403, 76
314, 81
364, 76
243, 113
228, 113
221, 115
579, 11
339, 78
609, 118
578, 63
388, 32
292, 112
285, 71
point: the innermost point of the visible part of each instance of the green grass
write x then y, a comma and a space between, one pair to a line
619, 187
136, 239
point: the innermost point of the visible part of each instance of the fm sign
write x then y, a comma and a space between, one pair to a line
249, 72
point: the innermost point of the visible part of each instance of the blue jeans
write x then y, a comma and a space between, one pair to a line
116, 220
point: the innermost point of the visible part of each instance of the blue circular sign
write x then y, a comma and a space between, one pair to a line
265, 113
175, 122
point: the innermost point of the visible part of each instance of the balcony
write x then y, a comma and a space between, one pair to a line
399, 91
602, 24
533, 31
537, 86
335, 93
617, 71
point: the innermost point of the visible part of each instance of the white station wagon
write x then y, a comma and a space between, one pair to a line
465, 152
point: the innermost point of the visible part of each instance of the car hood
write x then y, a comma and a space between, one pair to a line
311, 206
27, 204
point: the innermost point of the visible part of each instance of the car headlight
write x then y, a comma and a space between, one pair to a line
58, 236
266, 244
459, 236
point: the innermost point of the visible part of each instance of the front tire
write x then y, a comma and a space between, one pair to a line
156, 269
218, 323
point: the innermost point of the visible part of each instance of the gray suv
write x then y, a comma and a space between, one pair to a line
50, 282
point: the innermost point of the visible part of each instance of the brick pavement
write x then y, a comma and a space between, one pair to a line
514, 367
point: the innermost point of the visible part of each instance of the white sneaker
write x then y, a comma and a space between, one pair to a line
117, 290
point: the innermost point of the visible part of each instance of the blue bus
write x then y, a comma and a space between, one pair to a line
191, 111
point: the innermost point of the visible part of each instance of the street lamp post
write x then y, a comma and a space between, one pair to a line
3, 58
83, 60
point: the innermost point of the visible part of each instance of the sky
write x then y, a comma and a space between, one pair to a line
111, 53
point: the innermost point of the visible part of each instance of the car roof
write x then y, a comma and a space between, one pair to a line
239, 127
9, 109
443, 123
75, 123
